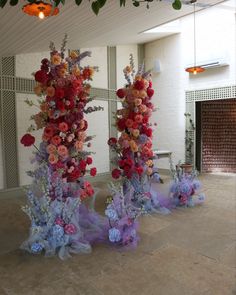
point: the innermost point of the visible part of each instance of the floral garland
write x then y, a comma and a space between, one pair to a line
58, 182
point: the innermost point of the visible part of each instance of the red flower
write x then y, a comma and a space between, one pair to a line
150, 92
139, 85
89, 161
120, 93
121, 124
41, 76
139, 170
82, 164
74, 175
61, 106
93, 171
149, 132
112, 141
59, 93
27, 139
115, 173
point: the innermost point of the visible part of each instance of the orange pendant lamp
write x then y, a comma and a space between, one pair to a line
40, 9
195, 69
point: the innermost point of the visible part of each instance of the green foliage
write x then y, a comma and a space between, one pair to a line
97, 4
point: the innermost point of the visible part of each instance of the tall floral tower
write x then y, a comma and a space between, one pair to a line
134, 157
58, 188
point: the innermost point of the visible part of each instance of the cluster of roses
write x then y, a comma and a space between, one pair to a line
134, 146
65, 88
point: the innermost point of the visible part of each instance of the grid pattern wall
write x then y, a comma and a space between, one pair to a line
24, 85
9, 138
8, 83
8, 66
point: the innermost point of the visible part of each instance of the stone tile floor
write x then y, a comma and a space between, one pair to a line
190, 252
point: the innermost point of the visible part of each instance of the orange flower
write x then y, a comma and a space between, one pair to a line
73, 54
44, 107
137, 102
51, 149
52, 159
135, 132
81, 136
56, 140
143, 93
133, 146
135, 92
62, 151
50, 91
63, 127
79, 145
142, 108
56, 59
129, 123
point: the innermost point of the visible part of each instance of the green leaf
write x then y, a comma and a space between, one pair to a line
3, 3
136, 3
63, 2
101, 3
177, 4
13, 2
95, 7
78, 2
57, 2
122, 2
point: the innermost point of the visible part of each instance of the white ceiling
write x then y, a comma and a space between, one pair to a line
20, 33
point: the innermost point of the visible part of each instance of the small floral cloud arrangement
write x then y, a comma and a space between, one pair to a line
186, 188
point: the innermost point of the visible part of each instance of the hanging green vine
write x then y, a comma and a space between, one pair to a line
95, 5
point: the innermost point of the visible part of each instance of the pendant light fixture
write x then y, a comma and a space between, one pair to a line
40, 9
194, 69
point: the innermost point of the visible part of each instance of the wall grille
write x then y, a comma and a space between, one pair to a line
8, 83
9, 138
8, 66
25, 85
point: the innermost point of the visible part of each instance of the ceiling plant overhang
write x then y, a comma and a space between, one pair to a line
97, 4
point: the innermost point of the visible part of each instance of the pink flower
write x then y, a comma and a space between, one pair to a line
63, 127
51, 148
52, 159
62, 151
138, 118
93, 171
60, 221
70, 229
129, 123
56, 140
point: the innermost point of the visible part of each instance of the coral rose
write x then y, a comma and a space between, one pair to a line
56, 140
50, 91
63, 127
52, 159
62, 150
51, 148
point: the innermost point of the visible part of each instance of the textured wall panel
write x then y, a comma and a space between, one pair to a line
9, 138
8, 66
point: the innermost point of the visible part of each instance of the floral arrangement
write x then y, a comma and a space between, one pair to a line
59, 186
133, 149
185, 190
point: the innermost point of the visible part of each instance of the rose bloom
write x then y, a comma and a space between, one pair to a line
124, 136
63, 127
149, 163
76, 71
137, 102
121, 124
27, 140
50, 91
70, 138
51, 149
125, 144
135, 93
38, 90
112, 141
81, 136
116, 173
129, 123
142, 93
79, 145
138, 118
135, 132
70, 229
59, 93
93, 171
62, 72
52, 159
133, 146
142, 108
62, 151
56, 59
41, 76
89, 160
56, 140
48, 131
